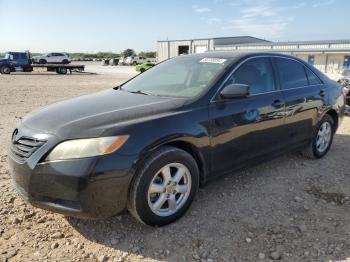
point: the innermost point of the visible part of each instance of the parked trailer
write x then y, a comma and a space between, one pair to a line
60, 68
21, 62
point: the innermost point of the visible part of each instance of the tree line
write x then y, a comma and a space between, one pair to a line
125, 53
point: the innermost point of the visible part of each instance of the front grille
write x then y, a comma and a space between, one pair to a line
24, 147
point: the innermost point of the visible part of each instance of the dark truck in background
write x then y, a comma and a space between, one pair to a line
344, 81
22, 62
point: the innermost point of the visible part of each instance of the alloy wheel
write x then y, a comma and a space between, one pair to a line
169, 189
324, 137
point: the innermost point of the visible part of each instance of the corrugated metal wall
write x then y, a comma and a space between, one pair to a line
170, 49
329, 58
163, 51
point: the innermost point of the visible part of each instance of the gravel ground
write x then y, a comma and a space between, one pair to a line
288, 209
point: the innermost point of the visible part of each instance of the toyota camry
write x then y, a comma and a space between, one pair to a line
148, 144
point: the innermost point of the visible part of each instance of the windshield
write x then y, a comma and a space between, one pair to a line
179, 77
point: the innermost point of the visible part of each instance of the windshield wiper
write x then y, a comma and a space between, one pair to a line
139, 92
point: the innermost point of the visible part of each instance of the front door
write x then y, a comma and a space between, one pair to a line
19, 61
245, 128
50, 58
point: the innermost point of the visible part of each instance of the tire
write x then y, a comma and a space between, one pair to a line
314, 150
42, 61
61, 70
65, 62
142, 203
5, 70
134, 63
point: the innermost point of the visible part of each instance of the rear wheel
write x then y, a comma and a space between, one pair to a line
164, 187
5, 70
65, 61
322, 139
61, 70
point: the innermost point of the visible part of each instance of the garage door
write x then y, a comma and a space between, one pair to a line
200, 49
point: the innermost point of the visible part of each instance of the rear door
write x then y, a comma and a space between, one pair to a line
245, 128
56, 58
304, 94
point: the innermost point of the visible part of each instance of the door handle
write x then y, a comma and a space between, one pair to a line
277, 103
322, 93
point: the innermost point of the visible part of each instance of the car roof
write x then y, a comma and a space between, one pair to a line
238, 55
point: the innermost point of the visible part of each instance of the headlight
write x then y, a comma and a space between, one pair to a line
81, 148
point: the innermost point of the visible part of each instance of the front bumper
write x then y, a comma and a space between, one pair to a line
95, 187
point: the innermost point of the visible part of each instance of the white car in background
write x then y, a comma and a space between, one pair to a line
135, 60
52, 58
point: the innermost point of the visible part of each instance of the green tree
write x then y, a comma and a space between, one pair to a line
128, 52
148, 54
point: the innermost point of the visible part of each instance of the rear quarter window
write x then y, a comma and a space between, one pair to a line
291, 73
313, 79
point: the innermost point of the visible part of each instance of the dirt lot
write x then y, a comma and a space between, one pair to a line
289, 209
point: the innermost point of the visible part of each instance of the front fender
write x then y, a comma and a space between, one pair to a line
186, 128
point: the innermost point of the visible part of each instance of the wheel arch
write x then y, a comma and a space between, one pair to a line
334, 116
194, 152
182, 144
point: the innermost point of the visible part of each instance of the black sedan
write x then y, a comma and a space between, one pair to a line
148, 144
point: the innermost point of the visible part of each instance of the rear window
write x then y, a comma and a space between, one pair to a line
291, 73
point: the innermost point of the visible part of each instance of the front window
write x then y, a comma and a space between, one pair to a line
257, 74
179, 77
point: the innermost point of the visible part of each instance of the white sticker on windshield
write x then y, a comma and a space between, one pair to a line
213, 60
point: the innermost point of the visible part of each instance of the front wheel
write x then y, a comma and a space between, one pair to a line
322, 139
5, 70
42, 61
164, 187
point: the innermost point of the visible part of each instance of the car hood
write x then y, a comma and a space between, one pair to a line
3, 61
93, 115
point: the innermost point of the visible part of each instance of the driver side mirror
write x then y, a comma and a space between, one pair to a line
235, 91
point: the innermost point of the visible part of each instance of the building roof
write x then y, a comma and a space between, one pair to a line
237, 39
317, 42
233, 54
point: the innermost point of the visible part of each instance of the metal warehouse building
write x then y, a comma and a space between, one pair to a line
329, 56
